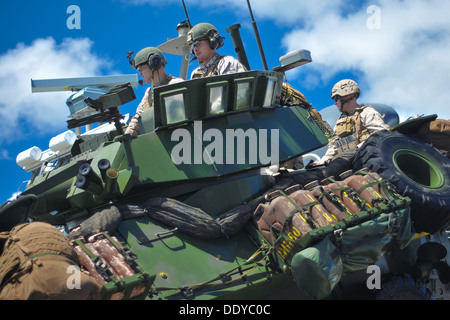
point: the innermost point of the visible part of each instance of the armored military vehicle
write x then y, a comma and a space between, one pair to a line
203, 204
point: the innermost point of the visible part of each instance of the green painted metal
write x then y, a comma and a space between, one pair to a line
155, 148
187, 267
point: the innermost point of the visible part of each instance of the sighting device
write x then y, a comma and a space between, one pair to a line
83, 107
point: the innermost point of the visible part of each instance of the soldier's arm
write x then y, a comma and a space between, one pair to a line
331, 152
373, 120
230, 65
133, 126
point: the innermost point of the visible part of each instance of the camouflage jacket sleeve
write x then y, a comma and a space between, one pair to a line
372, 120
133, 126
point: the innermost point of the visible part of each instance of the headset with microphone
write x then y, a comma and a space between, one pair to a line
154, 60
215, 41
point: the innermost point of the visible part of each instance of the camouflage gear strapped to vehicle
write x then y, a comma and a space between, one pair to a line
113, 267
292, 97
334, 227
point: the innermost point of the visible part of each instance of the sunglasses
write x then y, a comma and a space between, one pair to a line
198, 44
337, 98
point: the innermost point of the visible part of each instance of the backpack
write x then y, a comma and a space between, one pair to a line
38, 262
437, 133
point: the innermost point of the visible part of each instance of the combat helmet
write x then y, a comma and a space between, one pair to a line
153, 56
344, 88
208, 31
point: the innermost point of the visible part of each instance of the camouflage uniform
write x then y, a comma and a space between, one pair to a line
218, 65
147, 103
352, 130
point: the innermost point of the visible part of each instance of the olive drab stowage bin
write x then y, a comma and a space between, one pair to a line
331, 228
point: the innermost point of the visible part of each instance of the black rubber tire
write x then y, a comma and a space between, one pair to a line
417, 170
402, 287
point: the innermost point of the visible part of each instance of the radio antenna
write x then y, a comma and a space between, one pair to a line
187, 16
258, 40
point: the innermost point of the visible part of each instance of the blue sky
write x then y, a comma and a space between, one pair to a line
396, 50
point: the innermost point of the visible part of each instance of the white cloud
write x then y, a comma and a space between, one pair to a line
404, 63
282, 11
41, 113
4, 155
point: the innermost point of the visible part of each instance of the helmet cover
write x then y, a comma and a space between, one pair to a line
344, 88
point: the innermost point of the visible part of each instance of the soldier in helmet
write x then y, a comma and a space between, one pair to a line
150, 62
205, 40
355, 125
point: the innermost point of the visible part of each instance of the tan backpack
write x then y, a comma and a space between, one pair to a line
437, 133
38, 262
